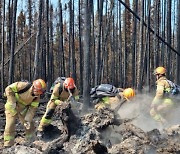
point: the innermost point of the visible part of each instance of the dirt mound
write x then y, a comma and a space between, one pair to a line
93, 133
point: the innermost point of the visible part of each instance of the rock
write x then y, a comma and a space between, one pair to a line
21, 150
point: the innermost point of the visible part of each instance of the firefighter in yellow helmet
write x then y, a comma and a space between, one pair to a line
61, 92
112, 102
161, 102
22, 102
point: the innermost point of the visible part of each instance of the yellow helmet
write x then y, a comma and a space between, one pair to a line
129, 93
159, 70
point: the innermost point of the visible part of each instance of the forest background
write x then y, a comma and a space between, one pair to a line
119, 42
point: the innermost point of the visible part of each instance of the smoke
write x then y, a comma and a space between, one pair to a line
139, 109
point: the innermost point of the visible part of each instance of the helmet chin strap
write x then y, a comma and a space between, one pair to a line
159, 75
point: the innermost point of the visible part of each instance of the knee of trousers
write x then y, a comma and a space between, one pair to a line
49, 113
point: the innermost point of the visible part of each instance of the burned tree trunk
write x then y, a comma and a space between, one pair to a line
38, 42
178, 42
86, 73
2, 46
11, 65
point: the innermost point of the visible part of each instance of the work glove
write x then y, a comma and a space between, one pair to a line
27, 125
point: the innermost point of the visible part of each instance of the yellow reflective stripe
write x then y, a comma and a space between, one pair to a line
46, 121
157, 117
57, 102
14, 89
76, 97
105, 100
9, 107
19, 100
23, 112
167, 89
8, 137
35, 104
54, 97
168, 101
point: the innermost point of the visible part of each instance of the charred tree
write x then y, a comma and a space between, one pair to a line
86, 69
80, 46
148, 45
47, 66
51, 59
140, 54
98, 52
178, 43
38, 42
169, 38
9, 25
29, 33
127, 44
61, 48
134, 43
120, 49
2, 45
156, 31
11, 65
71, 40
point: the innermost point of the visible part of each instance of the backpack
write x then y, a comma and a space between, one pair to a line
175, 89
103, 90
58, 80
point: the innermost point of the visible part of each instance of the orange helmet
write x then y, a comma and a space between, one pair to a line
69, 83
159, 70
129, 93
39, 85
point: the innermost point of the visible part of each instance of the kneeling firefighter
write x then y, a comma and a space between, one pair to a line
60, 93
112, 102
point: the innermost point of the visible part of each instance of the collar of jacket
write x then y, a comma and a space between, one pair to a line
161, 78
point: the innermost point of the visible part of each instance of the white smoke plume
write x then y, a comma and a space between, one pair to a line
139, 109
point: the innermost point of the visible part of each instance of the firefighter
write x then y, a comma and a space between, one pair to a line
161, 102
62, 91
112, 102
22, 101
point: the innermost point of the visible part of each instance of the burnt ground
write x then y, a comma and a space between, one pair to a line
94, 132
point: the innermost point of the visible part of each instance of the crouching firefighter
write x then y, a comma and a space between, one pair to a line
115, 102
61, 93
22, 101
161, 103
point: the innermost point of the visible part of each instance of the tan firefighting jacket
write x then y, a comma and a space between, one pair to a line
24, 103
59, 96
162, 88
110, 102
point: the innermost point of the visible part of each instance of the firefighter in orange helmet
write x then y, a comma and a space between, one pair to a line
61, 92
22, 102
112, 102
161, 102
